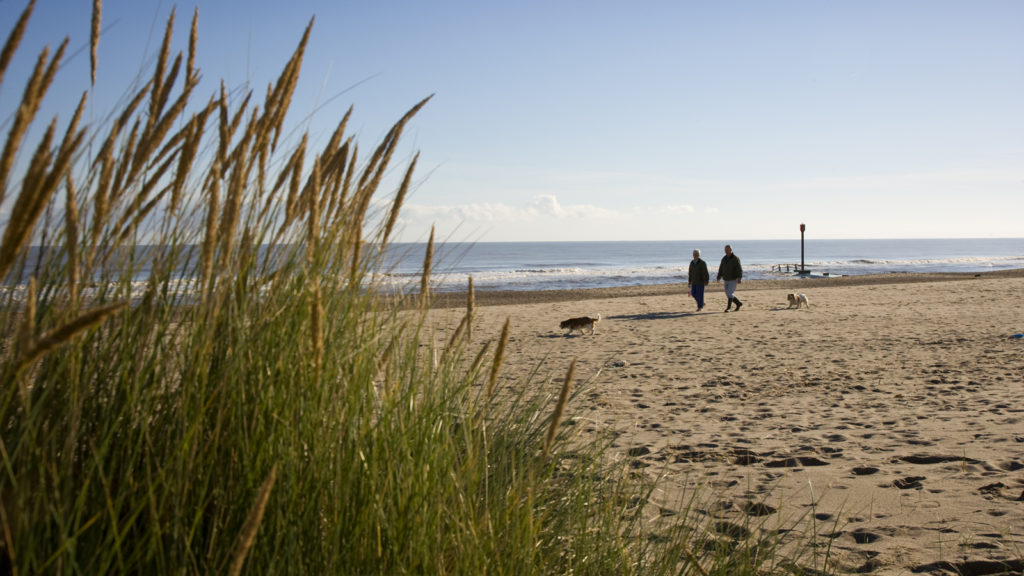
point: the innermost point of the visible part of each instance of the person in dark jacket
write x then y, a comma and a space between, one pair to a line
731, 272
697, 278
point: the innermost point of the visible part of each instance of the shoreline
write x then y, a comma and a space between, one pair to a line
505, 297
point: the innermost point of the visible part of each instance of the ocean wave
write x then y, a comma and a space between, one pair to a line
181, 291
599, 277
550, 271
548, 278
569, 265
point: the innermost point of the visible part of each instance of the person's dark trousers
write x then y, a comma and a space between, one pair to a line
697, 291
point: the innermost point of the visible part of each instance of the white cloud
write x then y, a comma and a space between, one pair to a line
543, 214
546, 204
677, 209
542, 206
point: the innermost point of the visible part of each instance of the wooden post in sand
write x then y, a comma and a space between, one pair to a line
803, 269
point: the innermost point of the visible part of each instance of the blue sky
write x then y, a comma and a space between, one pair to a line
625, 121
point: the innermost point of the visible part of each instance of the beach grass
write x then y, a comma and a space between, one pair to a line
199, 376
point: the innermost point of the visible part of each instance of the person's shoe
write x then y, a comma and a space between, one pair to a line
738, 304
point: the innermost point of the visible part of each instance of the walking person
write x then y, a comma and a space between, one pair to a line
731, 272
697, 278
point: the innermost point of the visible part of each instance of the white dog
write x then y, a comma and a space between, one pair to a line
797, 300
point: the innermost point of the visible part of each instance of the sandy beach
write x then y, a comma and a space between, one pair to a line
886, 419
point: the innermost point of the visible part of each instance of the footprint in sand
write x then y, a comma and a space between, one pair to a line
861, 536
795, 462
992, 490
934, 459
909, 482
730, 530
758, 509
1011, 465
979, 567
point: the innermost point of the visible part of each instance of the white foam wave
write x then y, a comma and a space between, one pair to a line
502, 276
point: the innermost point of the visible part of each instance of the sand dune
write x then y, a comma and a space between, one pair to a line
886, 418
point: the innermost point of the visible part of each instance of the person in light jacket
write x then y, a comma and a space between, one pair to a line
731, 272
697, 278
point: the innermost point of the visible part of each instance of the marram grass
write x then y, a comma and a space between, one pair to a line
199, 377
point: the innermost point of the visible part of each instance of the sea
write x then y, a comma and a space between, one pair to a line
579, 265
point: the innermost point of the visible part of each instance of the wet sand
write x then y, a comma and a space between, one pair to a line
886, 419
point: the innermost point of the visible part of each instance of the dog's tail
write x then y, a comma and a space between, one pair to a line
598, 319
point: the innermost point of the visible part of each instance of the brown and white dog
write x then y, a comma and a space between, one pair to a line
581, 324
797, 300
